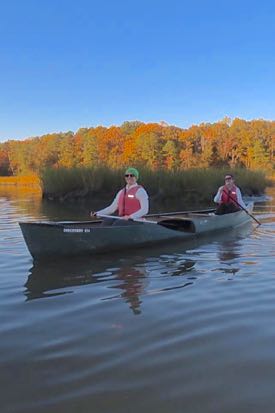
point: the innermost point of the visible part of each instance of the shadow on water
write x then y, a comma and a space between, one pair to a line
129, 273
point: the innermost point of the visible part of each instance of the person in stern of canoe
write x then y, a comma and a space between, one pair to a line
131, 202
228, 197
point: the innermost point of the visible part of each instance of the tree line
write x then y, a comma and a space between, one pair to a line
227, 143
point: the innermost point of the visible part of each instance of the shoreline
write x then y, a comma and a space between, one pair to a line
21, 181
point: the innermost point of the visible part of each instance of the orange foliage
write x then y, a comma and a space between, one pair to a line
225, 143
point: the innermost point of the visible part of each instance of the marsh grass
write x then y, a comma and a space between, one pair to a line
61, 181
194, 185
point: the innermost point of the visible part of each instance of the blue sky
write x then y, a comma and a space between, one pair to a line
66, 65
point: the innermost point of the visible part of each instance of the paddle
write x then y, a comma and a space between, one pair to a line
198, 211
244, 209
130, 219
173, 224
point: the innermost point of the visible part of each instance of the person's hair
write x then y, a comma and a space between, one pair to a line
228, 176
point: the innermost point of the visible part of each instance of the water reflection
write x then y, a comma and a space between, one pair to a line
46, 280
27, 203
229, 250
228, 253
132, 285
133, 275
20, 202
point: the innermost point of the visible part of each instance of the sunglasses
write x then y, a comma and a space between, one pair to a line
129, 176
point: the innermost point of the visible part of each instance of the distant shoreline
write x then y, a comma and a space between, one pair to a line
29, 181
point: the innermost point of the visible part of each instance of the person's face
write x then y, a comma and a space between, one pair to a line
228, 181
130, 179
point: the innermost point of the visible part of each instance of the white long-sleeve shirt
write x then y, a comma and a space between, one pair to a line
218, 196
141, 195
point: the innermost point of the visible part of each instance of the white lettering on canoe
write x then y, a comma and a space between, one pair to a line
76, 230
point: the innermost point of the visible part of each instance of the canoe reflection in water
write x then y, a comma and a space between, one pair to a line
132, 276
52, 280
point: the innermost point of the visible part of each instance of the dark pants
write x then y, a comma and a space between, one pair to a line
108, 222
226, 208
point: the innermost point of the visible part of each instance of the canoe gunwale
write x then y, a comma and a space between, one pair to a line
165, 214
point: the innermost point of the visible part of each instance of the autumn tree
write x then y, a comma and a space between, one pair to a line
170, 154
232, 143
4, 160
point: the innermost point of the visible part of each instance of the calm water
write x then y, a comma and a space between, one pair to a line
182, 328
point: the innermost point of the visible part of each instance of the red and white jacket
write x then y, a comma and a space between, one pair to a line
229, 195
128, 203
222, 196
131, 200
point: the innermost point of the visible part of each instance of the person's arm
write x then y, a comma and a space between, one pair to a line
240, 198
109, 210
142, 196
218, 195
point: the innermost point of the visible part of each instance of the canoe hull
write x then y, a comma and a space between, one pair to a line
45, 239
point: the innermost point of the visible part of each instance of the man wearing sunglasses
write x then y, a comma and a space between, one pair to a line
228, 197
131, 202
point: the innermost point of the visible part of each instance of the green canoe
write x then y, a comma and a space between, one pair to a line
45, 239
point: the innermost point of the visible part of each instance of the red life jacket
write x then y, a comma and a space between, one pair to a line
229, 196
128, 202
